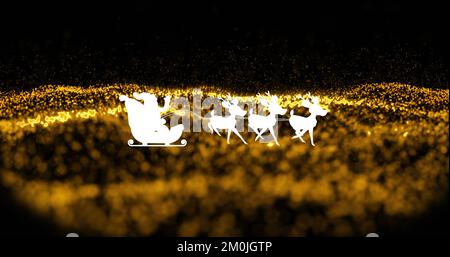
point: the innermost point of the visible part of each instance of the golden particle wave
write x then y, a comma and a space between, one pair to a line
381, 151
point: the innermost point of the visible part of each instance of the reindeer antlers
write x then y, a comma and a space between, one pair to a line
308, 96
272, 98
306, 102
309, 100
228, 98
229, 101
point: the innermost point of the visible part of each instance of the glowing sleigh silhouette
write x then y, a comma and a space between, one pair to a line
146, 123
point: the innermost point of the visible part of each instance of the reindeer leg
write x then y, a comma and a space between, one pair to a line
300, 135
260, 133
311, 136
257, 133
252, 129
228, 136
237, 133
273, 135
215, 129
211, 127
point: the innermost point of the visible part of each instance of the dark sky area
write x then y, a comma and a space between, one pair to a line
226, 43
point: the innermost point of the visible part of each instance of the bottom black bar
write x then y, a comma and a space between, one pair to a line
227, 246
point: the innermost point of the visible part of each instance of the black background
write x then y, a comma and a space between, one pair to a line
248, 45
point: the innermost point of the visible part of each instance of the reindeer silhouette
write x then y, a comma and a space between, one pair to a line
303, 124
229, 122
260, 123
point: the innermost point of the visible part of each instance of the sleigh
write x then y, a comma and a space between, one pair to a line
147, 127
